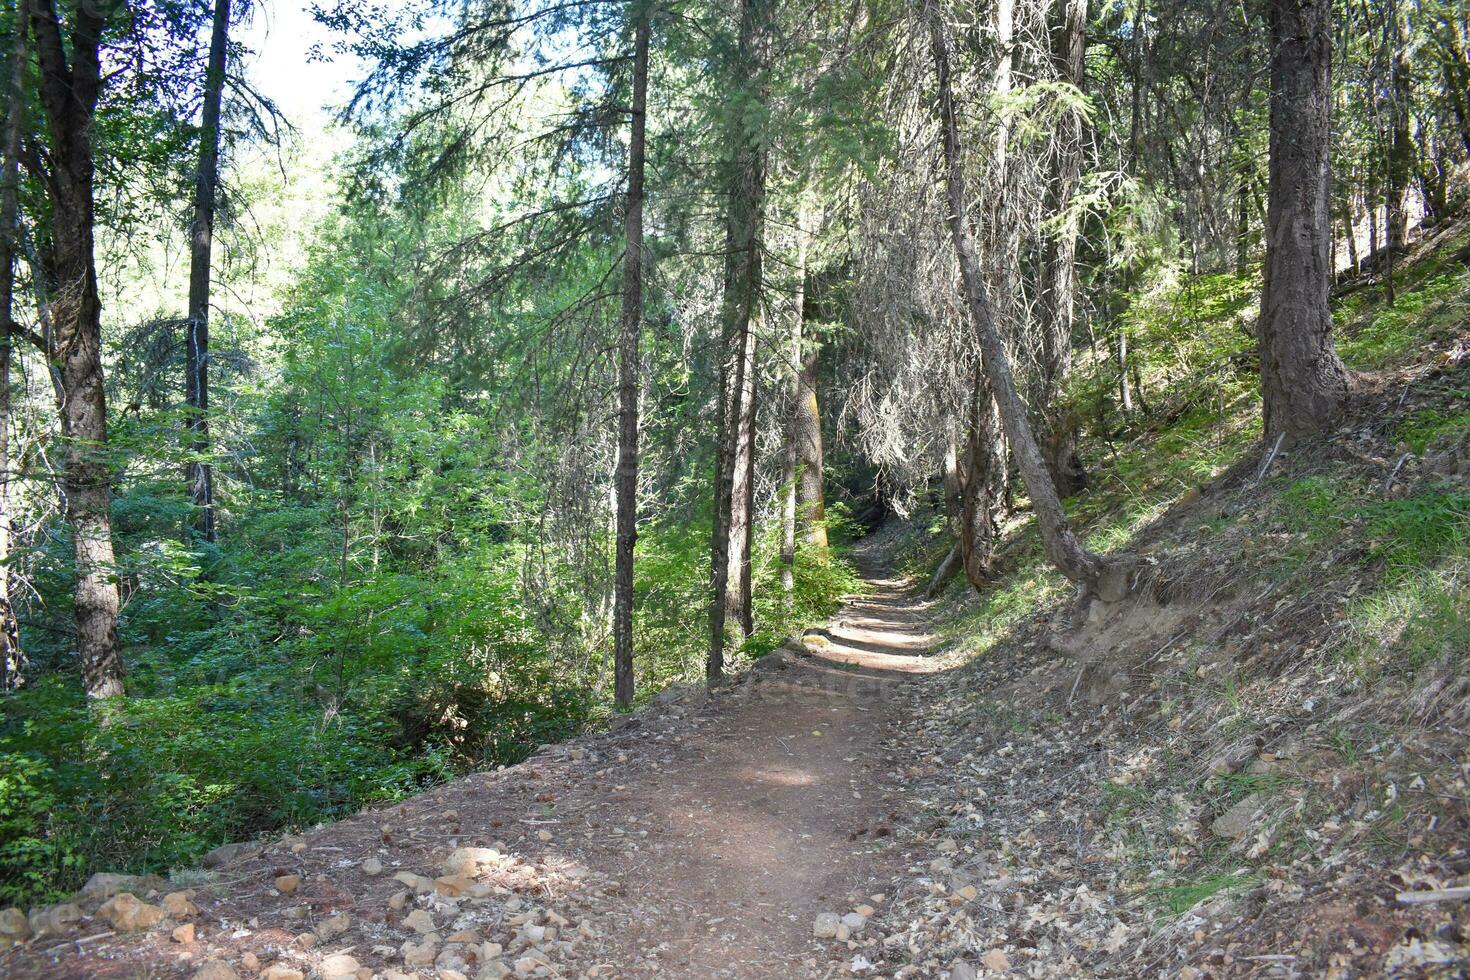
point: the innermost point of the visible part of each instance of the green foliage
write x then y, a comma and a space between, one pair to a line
1181, 896
1379, 338
1429, 426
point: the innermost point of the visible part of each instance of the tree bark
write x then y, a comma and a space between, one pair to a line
742, 491
1062, 545
1059, 259
196, 366
69, 93
629, 330
983, 484
1303, 383
745, 219
789, 465
806, 423
12, 655
1400, 150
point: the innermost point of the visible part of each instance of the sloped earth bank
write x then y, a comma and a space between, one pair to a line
702, 839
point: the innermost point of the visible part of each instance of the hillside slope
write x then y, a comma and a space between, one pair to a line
1258, 765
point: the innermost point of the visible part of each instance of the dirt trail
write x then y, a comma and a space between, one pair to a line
779, 808
699, 841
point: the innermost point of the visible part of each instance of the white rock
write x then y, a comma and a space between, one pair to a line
825, 926
420, 921
339, 966
329, 929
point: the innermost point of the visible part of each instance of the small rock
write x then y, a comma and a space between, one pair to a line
55, 920
451, 958
825, 926
251, 962
420, 921
961, 971
452, 885
469, 860
286, 884
229, 854
372, 867
127, 912
494, 970
105, 884
948, 846
184, 933
339, 966
180, 905
15, 928
866, 911
544, 836
216, 970
307, 940
398, 900
1241, 819
279, 971
996, 960
855, 921
329, 929
420, 954
420, 884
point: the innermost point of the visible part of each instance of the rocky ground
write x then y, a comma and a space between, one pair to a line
746, 835
1082, 801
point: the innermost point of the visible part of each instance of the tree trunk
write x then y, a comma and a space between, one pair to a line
12, 655
1062, 544
745, 219
1125, 387
983, 484
629, 329
789, 464
196, 366
806, 428
69, 95
1303, 382
1349, 229
742, 493
1400, 152
1058, 429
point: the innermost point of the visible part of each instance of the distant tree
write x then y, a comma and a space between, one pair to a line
745, 179
630, 325
1062, 544
206, 188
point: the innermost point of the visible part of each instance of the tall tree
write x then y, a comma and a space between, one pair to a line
196, 366
803, 507
1303, 382
1062, 544
1058, 294
70, 84
629, 328
12, 655
745, 185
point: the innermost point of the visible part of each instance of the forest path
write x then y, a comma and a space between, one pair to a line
777, 811
699, 840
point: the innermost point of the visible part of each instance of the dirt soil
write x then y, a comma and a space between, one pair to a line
700, 839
